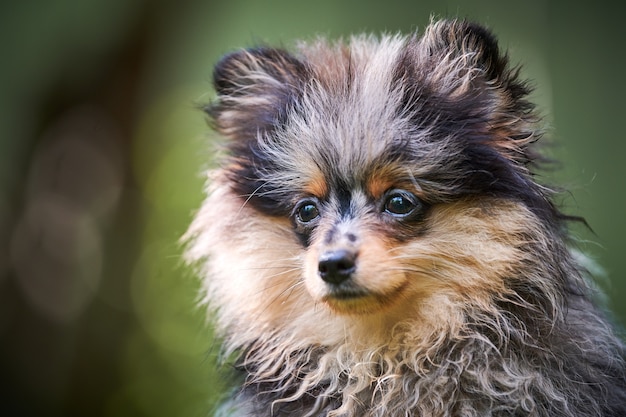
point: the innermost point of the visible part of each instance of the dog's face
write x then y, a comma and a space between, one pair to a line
383, 177
355, 236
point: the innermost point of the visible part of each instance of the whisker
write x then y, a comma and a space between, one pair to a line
267, 268
279, 295
249, 197
277, 275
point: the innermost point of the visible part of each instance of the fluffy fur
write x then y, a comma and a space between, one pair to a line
452, 291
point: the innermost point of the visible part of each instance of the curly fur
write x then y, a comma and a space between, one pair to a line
474, 306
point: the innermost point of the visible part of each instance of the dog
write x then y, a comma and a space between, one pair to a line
375, 243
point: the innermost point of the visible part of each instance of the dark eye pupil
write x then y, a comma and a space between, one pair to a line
307, 212
399, 205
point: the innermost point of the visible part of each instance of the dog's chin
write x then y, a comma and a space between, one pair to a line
361, 305
355, 300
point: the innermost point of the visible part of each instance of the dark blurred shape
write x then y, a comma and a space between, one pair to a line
72, 192
70, 200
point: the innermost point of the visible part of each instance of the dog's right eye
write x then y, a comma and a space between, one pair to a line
306, 212
401, 204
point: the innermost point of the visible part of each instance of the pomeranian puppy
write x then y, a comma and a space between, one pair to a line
374, 241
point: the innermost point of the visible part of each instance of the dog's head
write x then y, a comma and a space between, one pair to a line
383, 177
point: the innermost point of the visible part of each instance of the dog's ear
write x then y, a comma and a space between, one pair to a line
459, 69
256, 88
460, 55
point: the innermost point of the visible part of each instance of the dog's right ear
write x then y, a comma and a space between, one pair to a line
256, 88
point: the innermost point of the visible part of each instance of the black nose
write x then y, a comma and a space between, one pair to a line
337, 266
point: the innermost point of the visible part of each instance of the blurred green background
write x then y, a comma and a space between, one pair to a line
101, 148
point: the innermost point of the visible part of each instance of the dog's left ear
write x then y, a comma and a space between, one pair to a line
459, 55
255, 90
461, 67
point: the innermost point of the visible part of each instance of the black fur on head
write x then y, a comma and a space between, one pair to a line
256, 89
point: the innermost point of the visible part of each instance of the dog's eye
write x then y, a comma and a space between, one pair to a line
307, 211
400, 203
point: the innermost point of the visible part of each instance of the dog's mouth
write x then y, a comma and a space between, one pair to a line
351, 302
352, 299
347, 294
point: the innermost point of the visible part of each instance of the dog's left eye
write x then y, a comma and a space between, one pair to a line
307, 212
400, 203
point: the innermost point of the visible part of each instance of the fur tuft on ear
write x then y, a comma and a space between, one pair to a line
456, 71
468, 45
463, 55
256, 88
